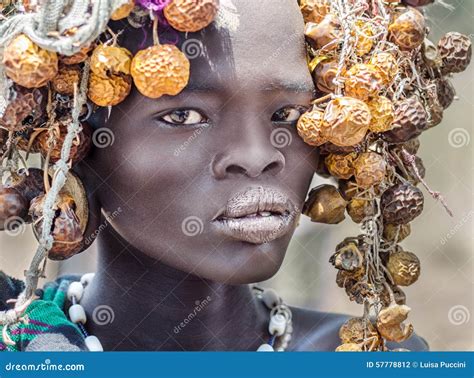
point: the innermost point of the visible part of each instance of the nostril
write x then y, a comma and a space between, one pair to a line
236, 169
272, 166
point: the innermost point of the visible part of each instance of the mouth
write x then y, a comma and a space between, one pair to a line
257, 215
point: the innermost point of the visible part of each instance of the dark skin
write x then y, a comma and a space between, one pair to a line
150, 273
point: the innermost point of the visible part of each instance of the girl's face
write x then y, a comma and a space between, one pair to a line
212, 181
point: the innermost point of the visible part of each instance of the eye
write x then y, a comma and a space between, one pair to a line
288, 114
184, 117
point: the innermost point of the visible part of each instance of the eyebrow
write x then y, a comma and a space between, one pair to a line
289, 86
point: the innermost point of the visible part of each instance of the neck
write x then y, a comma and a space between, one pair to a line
156, 307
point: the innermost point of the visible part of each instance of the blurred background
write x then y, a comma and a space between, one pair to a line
442, 299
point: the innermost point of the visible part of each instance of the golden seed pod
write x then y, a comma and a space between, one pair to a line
325, 205
160, 70
324, 75
383, 114
325, 34
315, 10
110, 60
357, 330
341, 166
404, 267
370, 169
407, 30
309, 127
455, 50
123, 11
349, 347
363, 81
346, 121
390, 323
78, 57
364, 32
27, 64
110, 91
387, 66
359, 209
67, 76
396, 233
191, 15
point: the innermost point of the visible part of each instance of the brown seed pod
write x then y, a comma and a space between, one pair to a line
387, 66
67, 76
446, 92
325, 205
110, 60
110, 91
309, 127
24, 110
404, 267
410, 121
28, 64
412, 146
160, 70
191, 15
369, 169
401, 203
407, 30
348, 256
321, 168
341, 166
79, 149
357, 330
418, 3
123, 11
330, 148
359, 209
13, 207
434, 110
326, 34
29, 184
78, 57
346, 121
383, 114
349, 347
390, 323
398, 296
455, 49
348, 189
314, 10
324, 75
396, 233
363, 82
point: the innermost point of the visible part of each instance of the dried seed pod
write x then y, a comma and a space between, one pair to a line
398, 296
412, 146
78, 57
315, 10
191, 15
430, 54
309, 127
341, 166
387, 66
29, 184
67, 76
418, 3
364, 32
434, 110
330, 148
363, 81
396, 233
123, 11
160, 70
13, 206
349, 347
359, 209
348, 256
370, 169
404, 267
321, 168
390, 323
383, 114
24, 110
346, 121
110, 60
455, 50
79, 149
407, 30
324, 75
401, 203
348, 189
110, 91
27, 64
357, 330
325, 205
410, 121
446, 92
325, 34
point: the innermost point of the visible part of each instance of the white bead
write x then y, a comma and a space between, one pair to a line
277, 325
87, 278
75, 290
93, 344
270, 298
289, 328
265, 348
286, 337
280, 349
77, 314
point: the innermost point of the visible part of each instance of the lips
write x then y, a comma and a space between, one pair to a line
257, 215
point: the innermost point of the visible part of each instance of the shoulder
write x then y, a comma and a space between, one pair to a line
9, 288
319, 331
